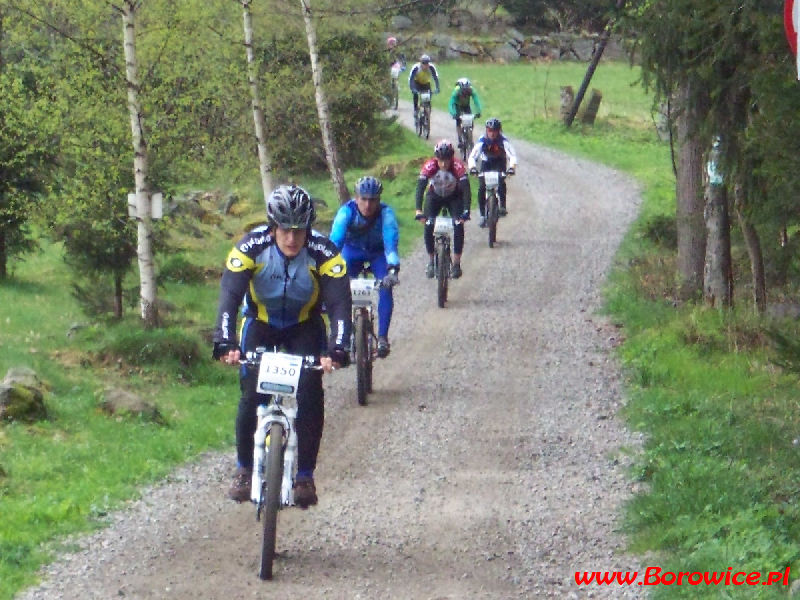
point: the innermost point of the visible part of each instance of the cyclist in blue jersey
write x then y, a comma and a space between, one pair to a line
280, 274
365, 230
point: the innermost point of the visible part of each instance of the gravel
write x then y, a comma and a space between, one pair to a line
488, 463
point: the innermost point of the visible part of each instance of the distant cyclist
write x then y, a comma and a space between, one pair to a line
280, 274
394, 55
460, 102
445, 178
420, 78
365, 230
496, 154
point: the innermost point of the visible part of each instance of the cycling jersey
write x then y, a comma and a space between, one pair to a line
281, 291
495, 151
443, 183
379, 234
460, 103
420, 79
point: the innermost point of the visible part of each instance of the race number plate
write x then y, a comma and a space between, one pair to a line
362, 291
443, 225
466, 120
279, 373
425, 97
492, 178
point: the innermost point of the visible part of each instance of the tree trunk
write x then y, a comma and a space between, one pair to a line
258, 112
718, 280
753, 244
147, 279
118, 296
322, 107
689, 196
3, 257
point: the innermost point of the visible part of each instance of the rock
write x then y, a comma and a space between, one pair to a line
400, 22
127, 405
22, 396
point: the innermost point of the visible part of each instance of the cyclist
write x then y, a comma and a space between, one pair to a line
446, 179
282, 272
460, 100
365, 230
420, 77
394, 55
497, 154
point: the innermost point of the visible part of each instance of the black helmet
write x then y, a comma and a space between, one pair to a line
290, 207
494, 123
444, 149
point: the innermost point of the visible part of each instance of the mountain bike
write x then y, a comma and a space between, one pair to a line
396, 68
363, 349
465, 142
442, 232
423, 117
492, 181
275, 449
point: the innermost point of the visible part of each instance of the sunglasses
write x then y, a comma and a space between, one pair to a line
369, 198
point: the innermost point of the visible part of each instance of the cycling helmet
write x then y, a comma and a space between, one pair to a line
391, 42
464, 83
290, 207
424, 59
444, 149
369, 187
494, 123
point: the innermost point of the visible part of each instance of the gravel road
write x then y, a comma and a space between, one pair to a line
487, 464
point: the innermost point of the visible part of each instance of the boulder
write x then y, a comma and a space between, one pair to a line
400, 22
22, 396
122, 404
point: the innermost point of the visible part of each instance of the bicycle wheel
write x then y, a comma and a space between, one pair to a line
442, 274
491, 218
427, 122
370, 352
271, 498
418, 122
362, 357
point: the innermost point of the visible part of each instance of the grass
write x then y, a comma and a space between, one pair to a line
719, 470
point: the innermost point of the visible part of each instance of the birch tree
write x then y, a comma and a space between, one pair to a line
147, 278
331, 153
258, 111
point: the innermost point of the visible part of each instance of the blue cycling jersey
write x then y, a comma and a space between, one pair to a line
376, 235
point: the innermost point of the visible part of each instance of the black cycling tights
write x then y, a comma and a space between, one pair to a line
303, 339
433, 206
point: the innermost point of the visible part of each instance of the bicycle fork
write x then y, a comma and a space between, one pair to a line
267, 415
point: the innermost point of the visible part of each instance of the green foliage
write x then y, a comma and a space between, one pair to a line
548, 15
354, 71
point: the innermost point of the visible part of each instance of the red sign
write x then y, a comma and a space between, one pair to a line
789, 25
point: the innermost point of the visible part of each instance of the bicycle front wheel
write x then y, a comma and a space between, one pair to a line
362, 358
427, 122
442, 274
271, 499
492, 217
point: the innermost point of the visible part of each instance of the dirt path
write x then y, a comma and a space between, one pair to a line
486, 465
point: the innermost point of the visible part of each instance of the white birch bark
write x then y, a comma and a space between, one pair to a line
258, 112
147, 279
331, 153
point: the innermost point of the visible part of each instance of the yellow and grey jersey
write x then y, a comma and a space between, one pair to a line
283, 291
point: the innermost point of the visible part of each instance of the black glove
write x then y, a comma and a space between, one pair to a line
478, 116
222, 348
465, 215
473, 171
391, 279
420, 217
510, 171
340, 356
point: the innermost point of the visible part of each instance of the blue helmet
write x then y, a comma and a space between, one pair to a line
369, 187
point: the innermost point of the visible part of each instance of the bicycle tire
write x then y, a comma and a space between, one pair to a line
362, 358
271, 499
492, 218
370, 348
427, 122
442, 274
418, 121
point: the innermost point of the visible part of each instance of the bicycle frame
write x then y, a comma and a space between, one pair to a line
465, 134
363, 347
442, 230
424, 114
492, 180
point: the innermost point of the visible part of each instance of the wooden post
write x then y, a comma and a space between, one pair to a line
591, 109
567, 98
